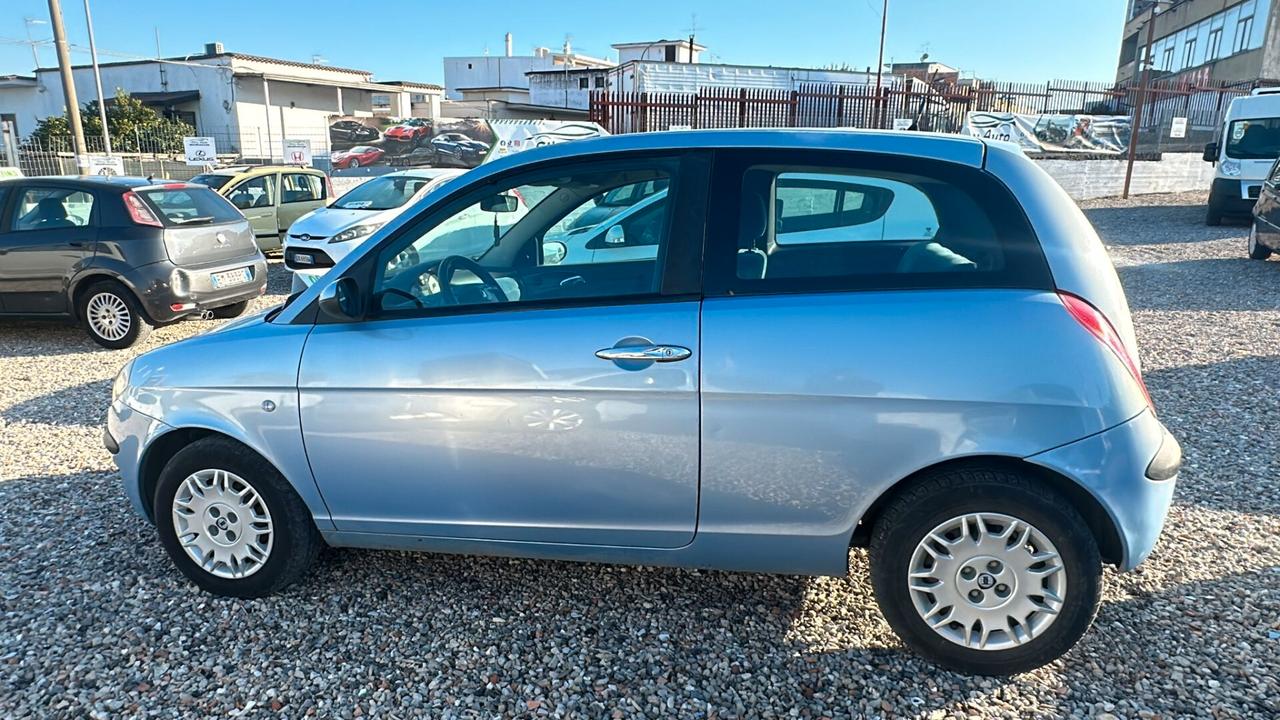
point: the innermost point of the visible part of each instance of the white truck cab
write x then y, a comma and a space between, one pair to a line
1248, 145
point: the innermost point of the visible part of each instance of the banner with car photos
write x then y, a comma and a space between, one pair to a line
362, 142
516, 135
1053, 132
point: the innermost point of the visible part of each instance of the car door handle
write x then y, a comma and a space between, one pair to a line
649, 353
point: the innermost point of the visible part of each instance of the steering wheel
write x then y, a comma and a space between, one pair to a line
453, 263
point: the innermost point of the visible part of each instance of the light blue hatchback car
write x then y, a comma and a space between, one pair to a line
909, 342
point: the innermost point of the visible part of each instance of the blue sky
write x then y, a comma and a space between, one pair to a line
1020, 40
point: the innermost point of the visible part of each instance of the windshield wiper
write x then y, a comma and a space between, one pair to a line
203, 219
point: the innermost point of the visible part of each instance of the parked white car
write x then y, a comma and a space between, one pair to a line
322, 237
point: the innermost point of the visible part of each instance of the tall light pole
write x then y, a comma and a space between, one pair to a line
68, 85
1147, 61
884, 21
97, 79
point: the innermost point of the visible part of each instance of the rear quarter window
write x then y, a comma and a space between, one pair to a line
808, 222
190, 205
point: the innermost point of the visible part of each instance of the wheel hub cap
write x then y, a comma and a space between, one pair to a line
109, 316
222, 523
987, 581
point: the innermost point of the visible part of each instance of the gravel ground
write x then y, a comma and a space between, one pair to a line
96, 622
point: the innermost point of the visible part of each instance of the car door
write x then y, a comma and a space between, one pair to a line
256, 197
1267, 209
566, 411
48, 235
300, 193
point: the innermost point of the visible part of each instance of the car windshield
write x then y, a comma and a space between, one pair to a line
211, 180
1254, 139
382, 193
185, 205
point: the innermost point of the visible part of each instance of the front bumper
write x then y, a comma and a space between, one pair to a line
159, 296
1231, 197
130, 432
1118, 467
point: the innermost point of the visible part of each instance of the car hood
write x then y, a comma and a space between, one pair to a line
327, 222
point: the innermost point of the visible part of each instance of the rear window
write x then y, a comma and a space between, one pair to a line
190, 206
211, 180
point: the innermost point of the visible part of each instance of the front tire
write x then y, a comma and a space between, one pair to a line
231, 522
112, 316
985, 571
1257, 251
234, 310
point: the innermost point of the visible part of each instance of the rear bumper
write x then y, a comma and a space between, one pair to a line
1122, 468
195, 292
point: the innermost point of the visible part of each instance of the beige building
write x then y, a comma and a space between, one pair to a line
1201, 41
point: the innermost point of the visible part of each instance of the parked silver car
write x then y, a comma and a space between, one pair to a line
958, 388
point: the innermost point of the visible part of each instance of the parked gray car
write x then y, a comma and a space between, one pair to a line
122, 254
908, 342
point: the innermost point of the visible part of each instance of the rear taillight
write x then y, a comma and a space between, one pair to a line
138, 210
1097, 324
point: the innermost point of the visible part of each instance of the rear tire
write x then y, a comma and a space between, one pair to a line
234, 310
1257, 251
112, 317
965, 590
221, 517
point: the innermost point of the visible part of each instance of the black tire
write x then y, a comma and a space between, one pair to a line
944, 495
1257, 251
234, 310
1212, 216
296, 541
126, 308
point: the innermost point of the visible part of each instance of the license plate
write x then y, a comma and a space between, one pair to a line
304, 259
227, 278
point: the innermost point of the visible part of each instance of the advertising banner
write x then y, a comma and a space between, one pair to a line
297, 152
1053, 132
200, 150
361, 143
106, 165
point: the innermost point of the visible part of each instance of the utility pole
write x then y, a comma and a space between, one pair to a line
68, 85
884, 20
1147, 61
97, 79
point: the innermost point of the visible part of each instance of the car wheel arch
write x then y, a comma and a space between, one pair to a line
86, 280
1101, 524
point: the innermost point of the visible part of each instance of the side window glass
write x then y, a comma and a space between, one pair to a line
256, 192
300, 187
520, 243
798, 223
51, 209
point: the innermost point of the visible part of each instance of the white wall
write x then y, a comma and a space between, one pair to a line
1086, 179
549, 88
490, 71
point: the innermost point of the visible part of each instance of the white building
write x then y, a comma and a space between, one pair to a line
248, 103
505, 78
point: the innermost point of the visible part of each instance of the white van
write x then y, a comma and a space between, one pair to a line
1244, 152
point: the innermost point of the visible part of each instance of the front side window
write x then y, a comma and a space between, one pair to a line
892, 224
51, 209
1254, 139
300, 187
517, 243
256, 192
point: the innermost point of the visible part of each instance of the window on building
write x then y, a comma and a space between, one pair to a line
599, 81
1244, 28
1189, 53
670, 53
1215, 44
584, 83
1129, 49
1166, 61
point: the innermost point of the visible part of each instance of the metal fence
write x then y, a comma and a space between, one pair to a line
938, 107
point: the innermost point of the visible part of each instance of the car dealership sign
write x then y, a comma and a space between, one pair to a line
297, 152
200, 150
1053, 132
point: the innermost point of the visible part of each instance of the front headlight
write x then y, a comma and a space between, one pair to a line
1230, 168
358, 231
121, 382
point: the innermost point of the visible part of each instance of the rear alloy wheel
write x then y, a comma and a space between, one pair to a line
1257, 251
985, 571
111, 315
231, 522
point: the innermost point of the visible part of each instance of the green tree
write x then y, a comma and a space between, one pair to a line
134, 127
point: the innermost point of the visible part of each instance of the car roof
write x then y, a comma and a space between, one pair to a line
425, 172
961, 149
88, 181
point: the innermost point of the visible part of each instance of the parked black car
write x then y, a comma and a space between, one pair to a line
453, 148
123, 254
351, 131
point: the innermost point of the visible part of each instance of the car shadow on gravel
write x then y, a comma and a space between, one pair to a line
1160, 225
43, 338
1214, 284
80, 405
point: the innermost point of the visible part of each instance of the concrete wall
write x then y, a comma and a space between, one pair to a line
1086, 179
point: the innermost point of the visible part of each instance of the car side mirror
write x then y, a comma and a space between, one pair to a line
341, 300
1211, 152
499, 204
615, 236
553, 252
